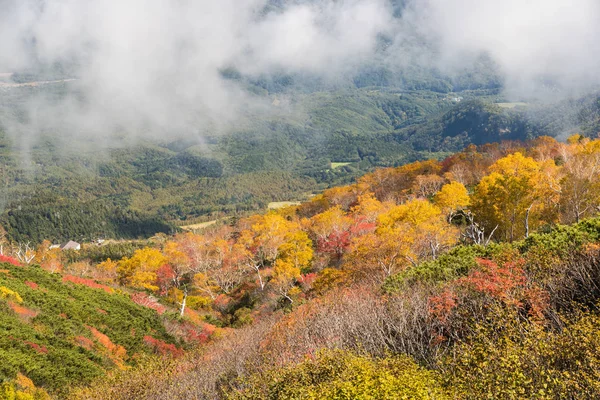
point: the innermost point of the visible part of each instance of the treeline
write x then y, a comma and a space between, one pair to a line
48, 216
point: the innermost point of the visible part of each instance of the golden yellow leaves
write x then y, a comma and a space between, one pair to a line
139, 271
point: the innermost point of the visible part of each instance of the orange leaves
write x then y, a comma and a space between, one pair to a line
84, 342
106, 270
23, 312
115, 352
369, 208
51, 260
397, 183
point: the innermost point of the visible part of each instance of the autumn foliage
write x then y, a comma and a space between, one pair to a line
410, 271
9, 260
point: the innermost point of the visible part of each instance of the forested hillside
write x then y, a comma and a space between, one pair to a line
319, 139
436, 279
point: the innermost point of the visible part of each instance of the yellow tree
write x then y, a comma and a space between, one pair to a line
139, 271
518, 194
259, 245
424, 223
294, 254
51, 260
225, 272
452, 197
375, 256
406, 234
369, 208
106, 270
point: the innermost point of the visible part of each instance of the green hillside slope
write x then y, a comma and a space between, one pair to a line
59, 332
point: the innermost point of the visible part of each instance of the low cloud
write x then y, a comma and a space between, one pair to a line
154, 67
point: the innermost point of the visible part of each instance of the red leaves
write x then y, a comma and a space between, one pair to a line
147, 301
87, 282
9, 260
501, 282
506, 283
335, 243
32, 285
441, 306
162, 348
36, 347
306, 281
165, 278
198, 334
221, 303
362, 227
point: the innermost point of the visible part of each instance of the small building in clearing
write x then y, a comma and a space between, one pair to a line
70, 245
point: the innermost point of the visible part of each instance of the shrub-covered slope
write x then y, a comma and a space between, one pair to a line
64, 331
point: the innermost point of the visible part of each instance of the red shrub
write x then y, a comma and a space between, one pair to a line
306, 281
147, 301
506, 283
36, 347
9, 260
162, 348
500, 282
441, 306
199, 334
87, 282
32, 285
